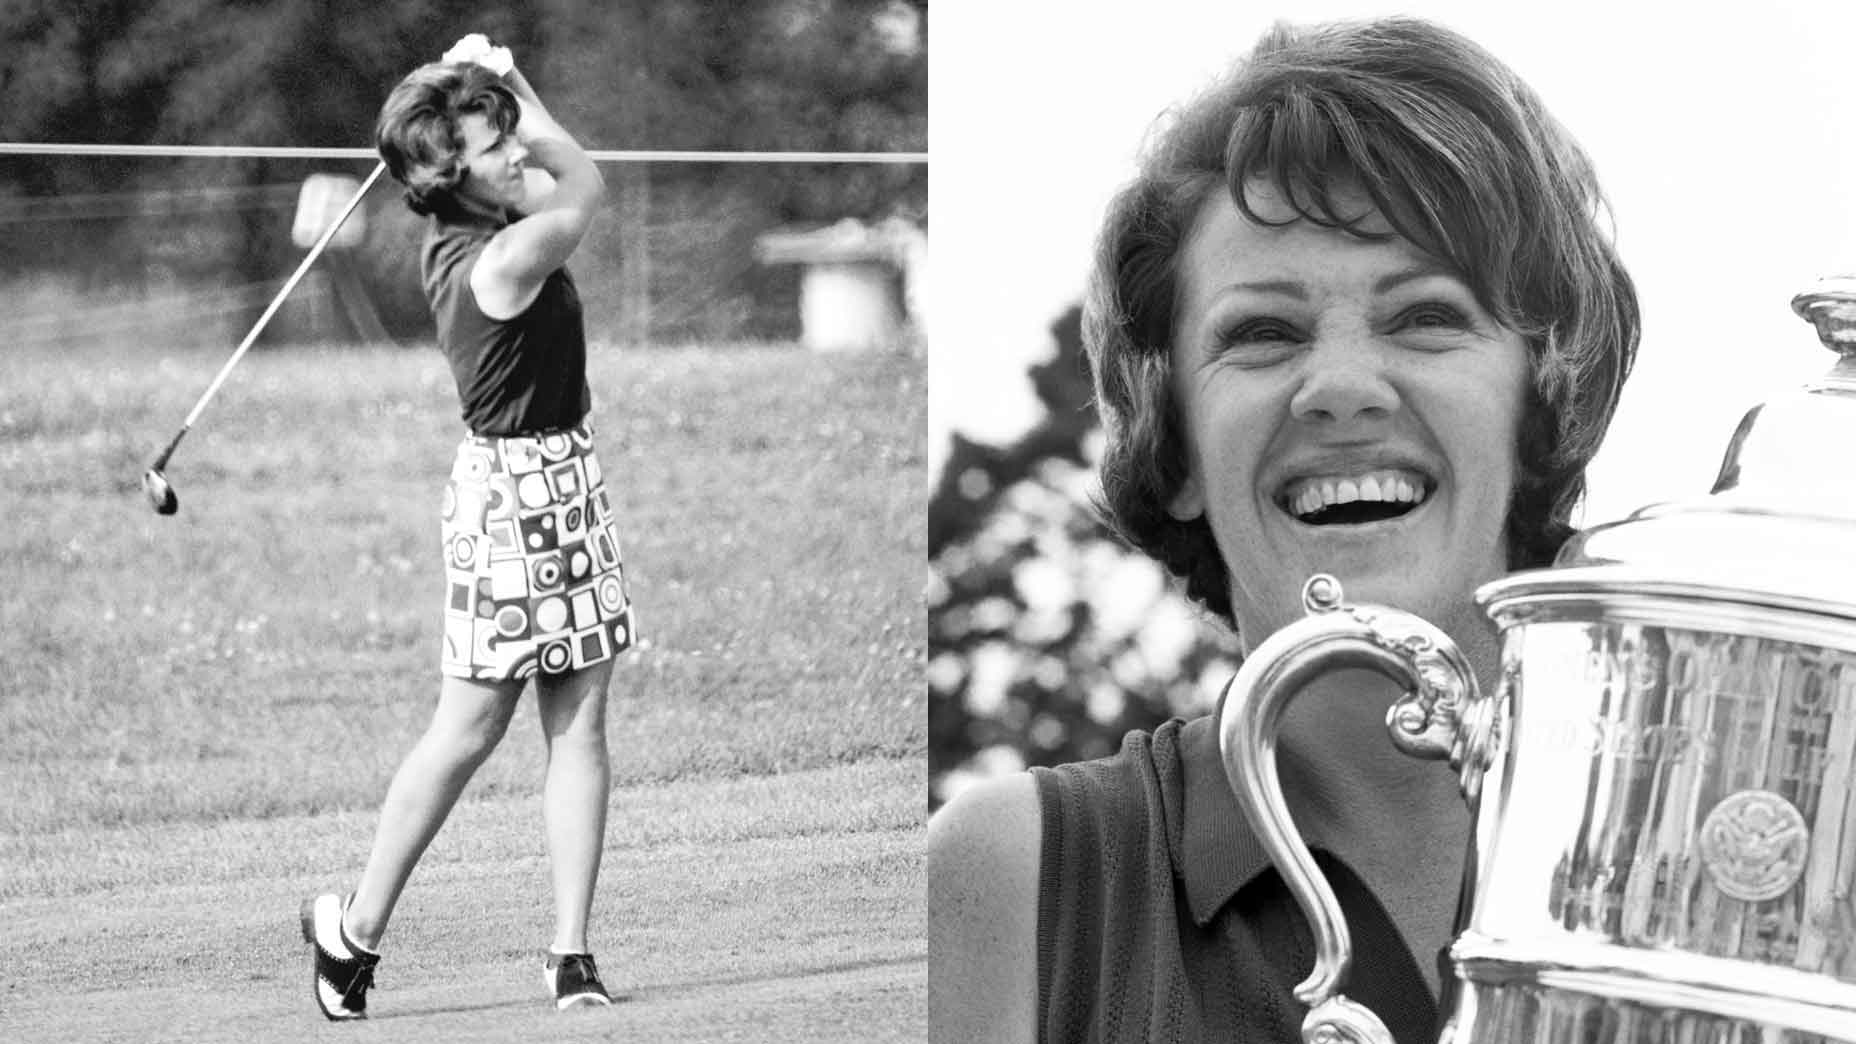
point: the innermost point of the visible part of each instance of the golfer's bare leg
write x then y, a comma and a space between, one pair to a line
467, 725
573, 720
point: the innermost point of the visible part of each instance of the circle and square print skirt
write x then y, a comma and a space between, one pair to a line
534, 579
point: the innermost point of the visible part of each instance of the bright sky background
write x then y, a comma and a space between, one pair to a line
1726, 143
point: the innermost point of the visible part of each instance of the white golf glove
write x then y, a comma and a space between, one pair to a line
476, 48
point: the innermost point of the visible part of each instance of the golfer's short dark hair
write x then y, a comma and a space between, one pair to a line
1459, 155
417, 132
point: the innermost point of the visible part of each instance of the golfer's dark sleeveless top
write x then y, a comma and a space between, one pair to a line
1160, 919
521, 376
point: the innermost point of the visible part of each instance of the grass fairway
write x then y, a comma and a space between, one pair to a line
199, 714
767, 908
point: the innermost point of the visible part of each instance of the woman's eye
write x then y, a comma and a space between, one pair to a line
1257, 341
1434, 315
1257, 331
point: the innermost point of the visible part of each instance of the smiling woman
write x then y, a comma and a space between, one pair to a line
1312, 364
1356, 314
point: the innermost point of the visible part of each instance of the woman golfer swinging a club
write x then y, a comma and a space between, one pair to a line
535, 586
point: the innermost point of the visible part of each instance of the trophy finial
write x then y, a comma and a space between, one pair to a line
1781, 457
1831, 307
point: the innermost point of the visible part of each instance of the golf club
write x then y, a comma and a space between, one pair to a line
161, 494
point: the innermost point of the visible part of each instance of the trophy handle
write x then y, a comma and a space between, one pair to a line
1441, 715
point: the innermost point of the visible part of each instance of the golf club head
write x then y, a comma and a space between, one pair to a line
160, 495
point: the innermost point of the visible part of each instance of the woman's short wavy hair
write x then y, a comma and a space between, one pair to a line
1464, 162
417, 132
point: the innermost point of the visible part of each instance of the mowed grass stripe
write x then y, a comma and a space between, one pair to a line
271, 651
783, 907
51, 867
872, 1004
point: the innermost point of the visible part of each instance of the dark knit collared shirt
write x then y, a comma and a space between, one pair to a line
1162, 921
518, 376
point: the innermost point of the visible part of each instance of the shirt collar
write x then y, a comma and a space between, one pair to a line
1220, 852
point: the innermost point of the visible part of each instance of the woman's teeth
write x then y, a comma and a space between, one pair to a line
1312, 496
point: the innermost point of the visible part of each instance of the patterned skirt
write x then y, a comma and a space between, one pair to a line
534, 577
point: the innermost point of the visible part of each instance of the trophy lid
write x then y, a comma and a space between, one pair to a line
1778, 528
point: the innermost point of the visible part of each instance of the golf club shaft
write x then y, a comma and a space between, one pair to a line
315, 251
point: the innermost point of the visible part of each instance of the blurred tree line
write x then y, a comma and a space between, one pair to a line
1048, 637
673, 261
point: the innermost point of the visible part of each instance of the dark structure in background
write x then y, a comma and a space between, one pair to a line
1013, 679
674, 264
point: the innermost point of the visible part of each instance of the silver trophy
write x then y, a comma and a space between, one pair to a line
1664, 781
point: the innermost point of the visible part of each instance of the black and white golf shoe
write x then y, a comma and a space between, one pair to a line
342, 971
573, 981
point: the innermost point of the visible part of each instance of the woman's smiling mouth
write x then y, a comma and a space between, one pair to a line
1372, 496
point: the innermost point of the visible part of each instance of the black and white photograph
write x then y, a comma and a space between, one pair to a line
465, 529
1389, 572
510, 536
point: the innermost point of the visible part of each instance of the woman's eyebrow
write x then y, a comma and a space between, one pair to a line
1421, 270
1282, 287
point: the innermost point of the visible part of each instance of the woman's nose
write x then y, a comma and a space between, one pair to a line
1344, 382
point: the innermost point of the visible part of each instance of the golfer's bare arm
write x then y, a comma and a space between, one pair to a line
513, 266
540, 190
983, 914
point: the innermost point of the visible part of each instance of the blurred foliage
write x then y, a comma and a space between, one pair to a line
1048, 638
697, 75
